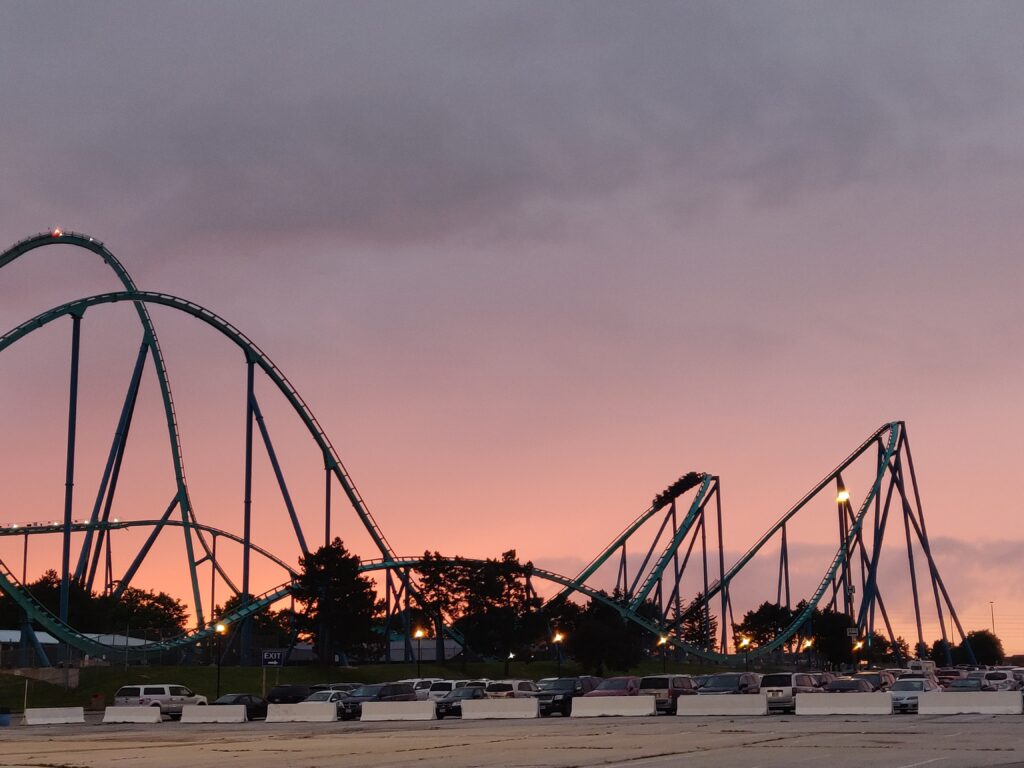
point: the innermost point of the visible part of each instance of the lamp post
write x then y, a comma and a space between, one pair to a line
419, 634
557, 640
992, 610
219, 630
745, 645
663, 644
806, 645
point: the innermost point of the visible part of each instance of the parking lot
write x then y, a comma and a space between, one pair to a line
645, 742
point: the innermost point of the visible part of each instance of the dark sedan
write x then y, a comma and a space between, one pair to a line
848, 685
288, 694
255, 706
351, 706
451, 704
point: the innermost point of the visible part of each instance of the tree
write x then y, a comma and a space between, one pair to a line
763, 625
338, 602
988, 649
603, 639
699, 627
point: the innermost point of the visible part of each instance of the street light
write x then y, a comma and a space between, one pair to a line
557, 640
419, 634
745, 645
843, 496
219, 630
662, 644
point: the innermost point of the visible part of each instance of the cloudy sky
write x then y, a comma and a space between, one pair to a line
530, 262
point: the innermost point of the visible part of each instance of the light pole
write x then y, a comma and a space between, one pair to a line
419, 634
557, 640
806, 645
745, 645
663, 644
992, 610
219, 630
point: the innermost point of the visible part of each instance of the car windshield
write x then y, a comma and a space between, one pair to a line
770, 680
560, 684
320, 696
440, 687
227, 698
872, 677
463, 693
723, 681
614, 684
908, 685
657, 683
499, 687
367, 690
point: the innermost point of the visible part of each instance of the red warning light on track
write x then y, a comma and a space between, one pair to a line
57, 232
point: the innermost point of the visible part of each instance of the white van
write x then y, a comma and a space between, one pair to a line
170, 698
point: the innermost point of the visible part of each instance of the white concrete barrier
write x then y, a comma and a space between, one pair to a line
613, 706
500, 709
132, 715
380, 711
970, 703
54, 715
878, 703
303, 712
221, 713
726, 704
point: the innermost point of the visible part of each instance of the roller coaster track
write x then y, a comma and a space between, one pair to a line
645, 585
252, 352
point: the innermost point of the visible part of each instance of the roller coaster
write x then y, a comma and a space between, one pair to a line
655, 562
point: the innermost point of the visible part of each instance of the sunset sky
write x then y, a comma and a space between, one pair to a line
528, 263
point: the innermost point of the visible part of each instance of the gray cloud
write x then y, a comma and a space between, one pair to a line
399, 120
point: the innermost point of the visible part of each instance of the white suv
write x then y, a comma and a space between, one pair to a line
512, 689
170, 698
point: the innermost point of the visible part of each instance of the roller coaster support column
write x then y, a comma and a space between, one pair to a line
327, 503
246, 629
65, 561
109, 478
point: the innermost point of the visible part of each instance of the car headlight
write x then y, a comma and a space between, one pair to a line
559, 696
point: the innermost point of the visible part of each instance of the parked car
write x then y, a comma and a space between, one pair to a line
666, 689
731, 682
288, 694
334, 697
255, 706
512, 689
781, 689
353, 703
616, 686
346, 687
879, 679
556, 693
848, 685
170, 698
995, 679
904, 693
421, 685
451, 704
967, 684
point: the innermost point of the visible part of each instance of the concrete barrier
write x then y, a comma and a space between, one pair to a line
132, 715
380, 711
726, 704
222, 713
878, 703
303, 712
970, 703
500, 709
54, 716
613, 706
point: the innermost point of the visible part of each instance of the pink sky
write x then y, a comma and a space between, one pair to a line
528, 265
